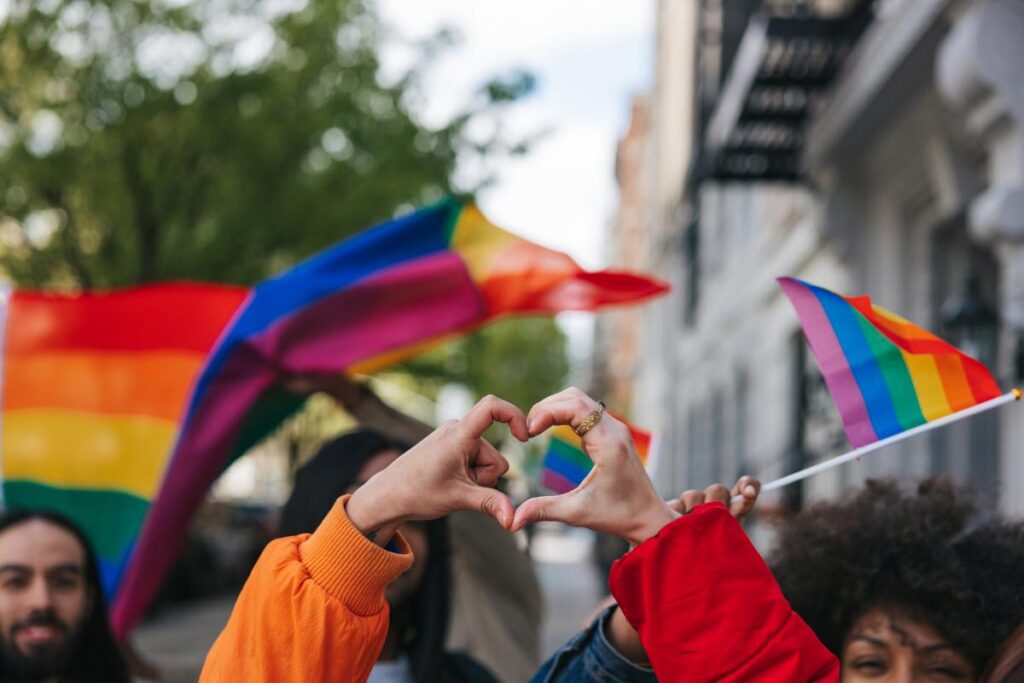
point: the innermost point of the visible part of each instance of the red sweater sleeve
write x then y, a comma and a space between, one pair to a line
707, 607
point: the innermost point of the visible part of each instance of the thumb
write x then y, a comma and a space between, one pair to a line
488, 501
545, 509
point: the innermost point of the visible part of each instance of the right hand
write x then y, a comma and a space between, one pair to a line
452, 469
617, 497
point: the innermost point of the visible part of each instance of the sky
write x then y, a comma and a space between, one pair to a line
589, 58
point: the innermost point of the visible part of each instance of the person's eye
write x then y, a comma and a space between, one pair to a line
869, 665
15, 584
66, 583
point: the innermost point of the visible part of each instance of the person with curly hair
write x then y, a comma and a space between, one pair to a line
905, 587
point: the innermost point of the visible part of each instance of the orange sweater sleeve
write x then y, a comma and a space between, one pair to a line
312, 610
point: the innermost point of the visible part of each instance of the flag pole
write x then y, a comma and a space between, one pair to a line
1013, 395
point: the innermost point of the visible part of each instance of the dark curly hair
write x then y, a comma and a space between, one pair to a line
936, 556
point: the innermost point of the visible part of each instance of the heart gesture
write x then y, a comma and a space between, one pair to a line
617, 497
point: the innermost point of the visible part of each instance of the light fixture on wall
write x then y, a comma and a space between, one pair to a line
969, 322
1018, 362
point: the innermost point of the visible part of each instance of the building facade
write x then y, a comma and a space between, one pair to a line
866, 146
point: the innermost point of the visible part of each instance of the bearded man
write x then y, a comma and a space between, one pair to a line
53, 618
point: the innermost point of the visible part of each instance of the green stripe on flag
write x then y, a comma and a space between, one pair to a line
571, 453
897, 376
110, 519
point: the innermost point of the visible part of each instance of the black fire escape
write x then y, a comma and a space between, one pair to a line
788, 55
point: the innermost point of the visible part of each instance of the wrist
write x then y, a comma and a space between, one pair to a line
657, 516
374, 516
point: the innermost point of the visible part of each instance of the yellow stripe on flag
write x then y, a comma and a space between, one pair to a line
81, 450
479, 241
931, 393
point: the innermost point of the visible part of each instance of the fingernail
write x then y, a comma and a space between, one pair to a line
529, 425
503, 519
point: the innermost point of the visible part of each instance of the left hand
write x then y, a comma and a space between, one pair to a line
452, 469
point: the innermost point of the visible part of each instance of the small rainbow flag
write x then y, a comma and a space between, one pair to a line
368, 302
885, 374
566, 464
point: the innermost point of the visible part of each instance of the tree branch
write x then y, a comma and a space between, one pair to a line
70, 246
146, 223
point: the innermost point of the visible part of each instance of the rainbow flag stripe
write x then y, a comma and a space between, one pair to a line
885, 374
566, 464
93, 390
361, 305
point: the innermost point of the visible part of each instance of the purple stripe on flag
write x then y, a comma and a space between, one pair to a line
403, 305
399, 306
555, 482
834, 366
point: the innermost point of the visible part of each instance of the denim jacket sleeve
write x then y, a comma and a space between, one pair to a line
588, 656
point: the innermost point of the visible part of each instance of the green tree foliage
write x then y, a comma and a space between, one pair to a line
217, 140
523, 359
223, 140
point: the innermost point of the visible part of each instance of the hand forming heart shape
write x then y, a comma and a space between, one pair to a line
455, 469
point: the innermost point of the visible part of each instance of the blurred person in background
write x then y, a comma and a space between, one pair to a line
905, 587
53, 618
495, 605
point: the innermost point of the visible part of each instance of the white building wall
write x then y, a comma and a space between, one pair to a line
668, 157
896, 177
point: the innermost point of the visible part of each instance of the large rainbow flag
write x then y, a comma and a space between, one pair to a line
566, 464
885, 374
93, 390
361, 305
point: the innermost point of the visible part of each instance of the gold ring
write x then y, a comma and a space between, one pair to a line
590, 420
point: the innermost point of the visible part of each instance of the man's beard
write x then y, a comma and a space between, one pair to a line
42, 662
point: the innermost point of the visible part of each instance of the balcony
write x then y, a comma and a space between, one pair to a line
784, 64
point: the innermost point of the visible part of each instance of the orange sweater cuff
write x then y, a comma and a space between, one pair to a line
350, 567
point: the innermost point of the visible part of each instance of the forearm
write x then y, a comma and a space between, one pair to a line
625, 640
374, 512
373, 413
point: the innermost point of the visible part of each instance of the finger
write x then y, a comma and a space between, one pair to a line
744, 496
690, 499
716, 493
546, 509
570, 410
491, 409
676, 506
488, 501
488, 465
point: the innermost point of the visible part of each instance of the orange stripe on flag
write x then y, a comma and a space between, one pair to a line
81, 450
150, 384
954, 380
